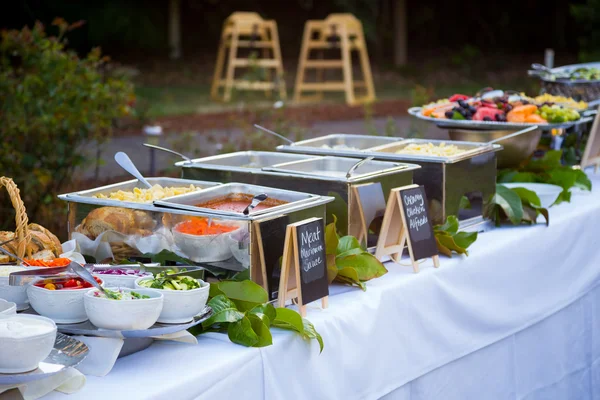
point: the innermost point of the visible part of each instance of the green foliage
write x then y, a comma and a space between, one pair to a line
549, 169
347, 261
517, 205
52, 103
241, 310
449, 239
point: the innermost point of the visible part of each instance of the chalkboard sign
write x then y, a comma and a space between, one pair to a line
406, 220
271, 240
420, 231
310, 241
368, 203
304, 267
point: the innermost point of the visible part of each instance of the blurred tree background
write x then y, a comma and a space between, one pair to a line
138, 28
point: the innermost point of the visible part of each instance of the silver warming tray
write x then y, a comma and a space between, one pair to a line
326, 176
253, 160
339, 144
469, 150
446, 179
87, 196
188, 201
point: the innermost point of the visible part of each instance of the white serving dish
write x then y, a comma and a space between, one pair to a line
123, 315
7, 307
204, 248
62, 306
15, 294
180, 306
120, 281
546, 192
24, 354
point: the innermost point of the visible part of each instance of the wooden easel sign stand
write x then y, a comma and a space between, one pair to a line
304, 266
406, 221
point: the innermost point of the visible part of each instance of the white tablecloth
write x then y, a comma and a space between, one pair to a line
517, 319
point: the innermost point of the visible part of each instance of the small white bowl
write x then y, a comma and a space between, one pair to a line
546, 192
62, 306
123, 315
120, 281
23, 354
204, 248
16, 294
180, 306
7, 307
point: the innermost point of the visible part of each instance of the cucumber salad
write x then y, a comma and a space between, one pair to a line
166, 282
120, 295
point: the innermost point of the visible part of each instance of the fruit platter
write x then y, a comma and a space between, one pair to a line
498, 109
579, 81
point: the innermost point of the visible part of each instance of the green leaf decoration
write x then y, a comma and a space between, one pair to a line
366, 266
509, 203
261, 329
449, 239
332, 270
288, 319
331, 237
241, 332
311, 333
349, 276
224, 310
527, 195
265, 310
347, 243
465, 204
582, 181
246, 294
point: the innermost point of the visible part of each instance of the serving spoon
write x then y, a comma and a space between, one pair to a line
87, 276
262, 128
125, 162
256, 200
152, 146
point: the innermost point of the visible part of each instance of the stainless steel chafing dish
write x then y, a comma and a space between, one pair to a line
329, 176
342, 144
227, 253
471, 173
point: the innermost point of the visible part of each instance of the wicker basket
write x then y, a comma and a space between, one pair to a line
22, 234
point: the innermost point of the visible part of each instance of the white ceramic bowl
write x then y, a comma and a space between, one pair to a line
23, 354
123, 315
204, 248
7, 307
62, 306
546, 192
119, 281
16, 294
180, 306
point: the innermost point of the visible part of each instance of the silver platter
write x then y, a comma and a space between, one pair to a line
67, 352
492, 125
88, 329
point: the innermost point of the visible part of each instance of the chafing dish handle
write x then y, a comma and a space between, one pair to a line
358, 164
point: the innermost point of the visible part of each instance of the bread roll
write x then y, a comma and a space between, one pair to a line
123, 220
49, 240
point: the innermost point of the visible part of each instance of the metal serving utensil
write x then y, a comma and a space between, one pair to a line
256, 200
22, 278
517, 133
8, 253
125, 162
186, 158
87, 276
274, 134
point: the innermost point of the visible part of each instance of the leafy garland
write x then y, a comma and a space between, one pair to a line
517, 205
241, 310
347, 261
449, 239
548, 169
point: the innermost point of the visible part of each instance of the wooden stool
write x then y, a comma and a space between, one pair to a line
341, 31
248, 30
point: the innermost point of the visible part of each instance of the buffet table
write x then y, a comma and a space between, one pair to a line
518, 318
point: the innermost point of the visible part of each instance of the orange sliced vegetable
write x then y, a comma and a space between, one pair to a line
199, 226
57, 262
515, 117
526, 109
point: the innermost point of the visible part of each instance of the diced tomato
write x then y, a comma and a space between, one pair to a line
71, 283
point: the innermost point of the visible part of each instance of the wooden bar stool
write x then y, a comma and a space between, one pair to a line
340, 31
248, 30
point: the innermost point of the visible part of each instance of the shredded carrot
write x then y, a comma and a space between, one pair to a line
57, 262
199, 226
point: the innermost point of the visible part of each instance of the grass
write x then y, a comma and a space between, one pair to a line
155, 101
